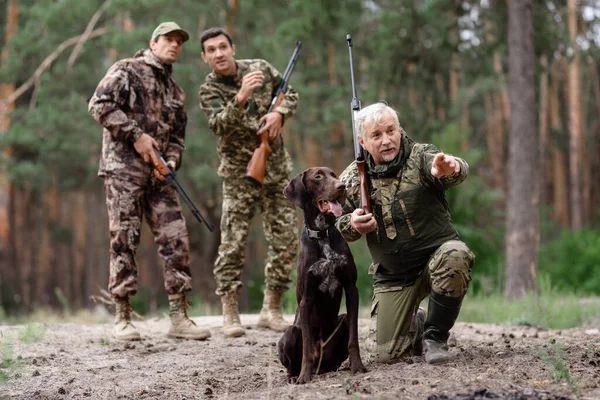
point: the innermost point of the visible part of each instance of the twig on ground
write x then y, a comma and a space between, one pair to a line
105, 298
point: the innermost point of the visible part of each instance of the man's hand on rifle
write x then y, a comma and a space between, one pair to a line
361, 222
145, 146
272, 128
158, 175
250, 82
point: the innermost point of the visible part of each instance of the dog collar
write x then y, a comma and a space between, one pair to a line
312, 234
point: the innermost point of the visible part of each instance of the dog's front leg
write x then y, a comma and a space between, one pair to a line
356, 364
306, 308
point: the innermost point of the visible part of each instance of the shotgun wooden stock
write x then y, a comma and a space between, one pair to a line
365, 199
255, 171
258, 163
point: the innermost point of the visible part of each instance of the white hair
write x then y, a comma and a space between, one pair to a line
374, 113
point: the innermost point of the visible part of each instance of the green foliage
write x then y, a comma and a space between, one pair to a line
550, 309
593, 350
64, 302
476, 214
9, 363
554, 357
31, 333
572, 261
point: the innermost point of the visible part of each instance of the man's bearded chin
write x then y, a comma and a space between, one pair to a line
389, 157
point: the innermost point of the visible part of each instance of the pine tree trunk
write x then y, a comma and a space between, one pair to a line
559, 179
543, 131
441, 112
586, 167
595, 160
522, 224
232, 12
575, 133
496, 155
9, 272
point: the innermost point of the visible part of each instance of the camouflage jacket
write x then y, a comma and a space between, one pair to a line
236, 126
412, 213
137, 95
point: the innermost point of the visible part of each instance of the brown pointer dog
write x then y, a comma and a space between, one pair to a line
320, 339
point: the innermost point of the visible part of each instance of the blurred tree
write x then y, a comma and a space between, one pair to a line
522, 220
575, 131
9, 293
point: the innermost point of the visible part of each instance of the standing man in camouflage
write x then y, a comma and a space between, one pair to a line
142, 109
415, 249
235, 97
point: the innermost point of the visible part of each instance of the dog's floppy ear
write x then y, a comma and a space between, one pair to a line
295, 191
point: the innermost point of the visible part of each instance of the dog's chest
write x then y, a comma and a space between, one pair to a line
326, 267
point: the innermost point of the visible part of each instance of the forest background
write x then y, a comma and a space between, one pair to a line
529, 209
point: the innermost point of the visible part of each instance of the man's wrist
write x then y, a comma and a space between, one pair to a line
241, 99
136, 134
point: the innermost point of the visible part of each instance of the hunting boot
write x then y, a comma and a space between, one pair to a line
270, 315
181, 325
124, 329
419, 321
232, 327
441, 316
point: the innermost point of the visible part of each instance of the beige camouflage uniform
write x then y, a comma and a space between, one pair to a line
426, 242
137, 95
236, 127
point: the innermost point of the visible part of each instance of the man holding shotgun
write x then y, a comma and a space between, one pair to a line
415, 249
235, 98
142, 111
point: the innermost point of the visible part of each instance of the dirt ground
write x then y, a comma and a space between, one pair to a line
492, 362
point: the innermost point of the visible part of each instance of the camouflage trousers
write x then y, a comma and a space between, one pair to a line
240, 201
128, 202
393, 323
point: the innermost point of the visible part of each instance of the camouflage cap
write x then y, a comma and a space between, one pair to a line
167, 27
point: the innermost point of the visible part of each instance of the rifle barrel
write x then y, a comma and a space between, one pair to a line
355, 105
199, 217
170, 177
282, 88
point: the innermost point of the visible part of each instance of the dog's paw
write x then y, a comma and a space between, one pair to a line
303, 378
357, 367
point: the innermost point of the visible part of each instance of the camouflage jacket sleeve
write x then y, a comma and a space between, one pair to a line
177, 138
342, 223
429, 152
223, 116
287, 108
106, 104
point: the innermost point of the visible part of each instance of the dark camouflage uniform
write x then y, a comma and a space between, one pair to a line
447, 261
236, 127
137, 95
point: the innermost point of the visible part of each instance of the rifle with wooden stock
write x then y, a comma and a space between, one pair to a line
359, 155
255, 172
163, 168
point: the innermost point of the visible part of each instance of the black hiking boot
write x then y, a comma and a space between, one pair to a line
441, 316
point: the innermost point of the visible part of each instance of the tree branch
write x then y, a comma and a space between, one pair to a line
86, 34
46, 64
